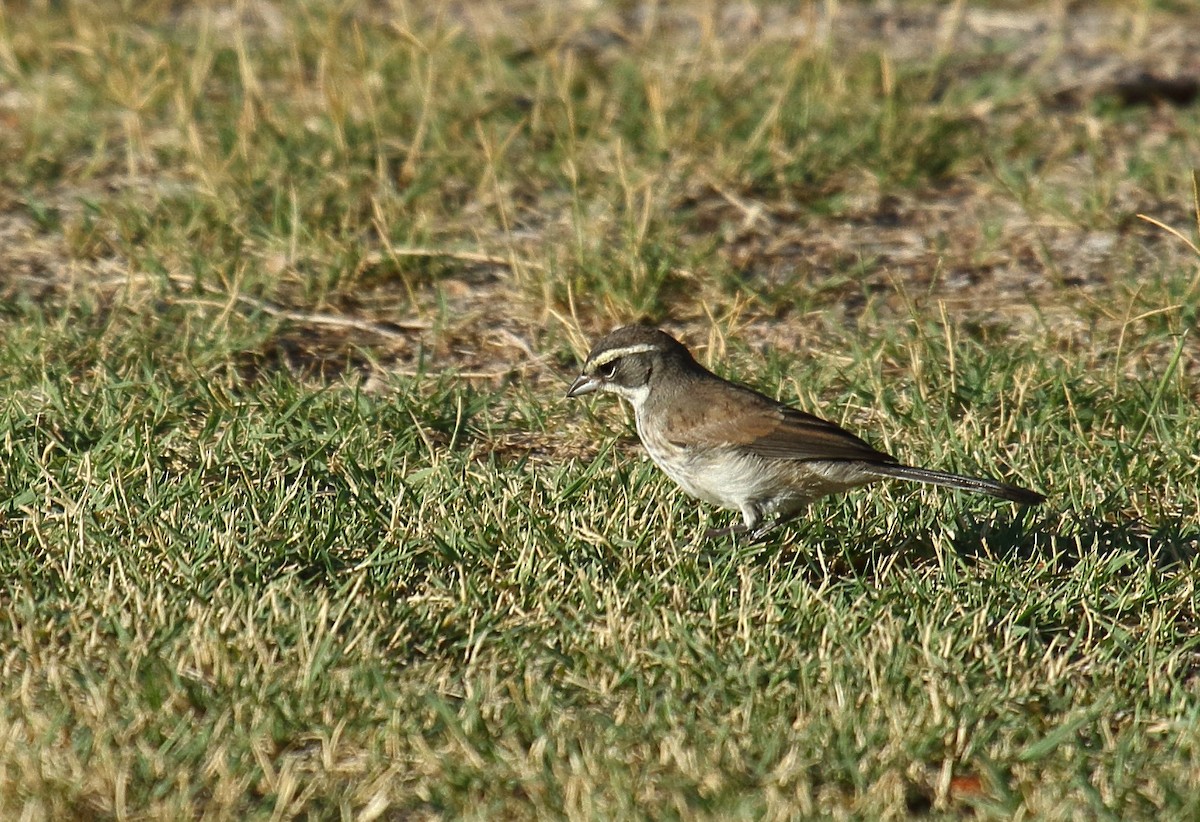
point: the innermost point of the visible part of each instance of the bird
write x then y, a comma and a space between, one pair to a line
736, 448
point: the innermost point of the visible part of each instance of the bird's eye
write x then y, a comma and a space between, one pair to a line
608, 370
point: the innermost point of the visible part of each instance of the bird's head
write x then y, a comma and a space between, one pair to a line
628, 361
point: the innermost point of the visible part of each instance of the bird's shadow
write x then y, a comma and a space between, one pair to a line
1069, 536
1066, 537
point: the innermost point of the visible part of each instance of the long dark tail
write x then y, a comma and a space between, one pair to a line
977, 484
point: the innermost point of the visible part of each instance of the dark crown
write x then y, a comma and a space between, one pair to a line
633, 339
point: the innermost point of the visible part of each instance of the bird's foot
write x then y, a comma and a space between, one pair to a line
718, 533
750, 535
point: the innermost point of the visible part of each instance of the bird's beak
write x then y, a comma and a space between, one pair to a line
583, 385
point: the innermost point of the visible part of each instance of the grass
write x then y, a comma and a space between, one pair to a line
295, 522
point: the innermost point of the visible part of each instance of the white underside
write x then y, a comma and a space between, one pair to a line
761, 489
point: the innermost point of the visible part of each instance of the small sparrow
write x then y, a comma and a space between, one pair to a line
738, 449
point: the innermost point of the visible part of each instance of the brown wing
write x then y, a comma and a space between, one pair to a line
759, 425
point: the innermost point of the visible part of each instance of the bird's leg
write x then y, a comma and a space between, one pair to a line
751, 517
778, 522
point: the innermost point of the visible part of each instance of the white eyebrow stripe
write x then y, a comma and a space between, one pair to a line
616, 353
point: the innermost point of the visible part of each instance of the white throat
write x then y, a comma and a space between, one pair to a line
634, 396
